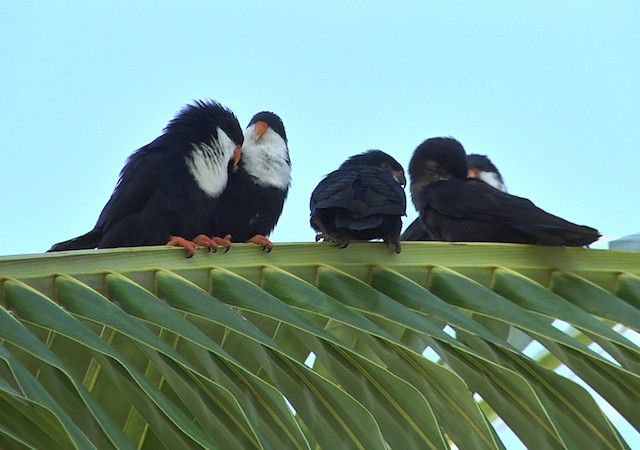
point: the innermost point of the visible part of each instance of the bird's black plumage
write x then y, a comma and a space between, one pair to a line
415, 232
364, 199
171, 186
478, 166
253, 201
454, 208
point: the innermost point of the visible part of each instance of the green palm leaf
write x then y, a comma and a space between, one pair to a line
311, 346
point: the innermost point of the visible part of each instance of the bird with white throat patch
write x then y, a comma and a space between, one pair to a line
257, 189
168, 191
456, 208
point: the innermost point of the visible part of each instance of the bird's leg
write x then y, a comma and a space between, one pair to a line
393, 239
213, 242
259, 239
396, 244
324, 235
338, 242
189, 246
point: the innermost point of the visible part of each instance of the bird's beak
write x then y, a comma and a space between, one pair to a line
261, 128
237, 154
398, 175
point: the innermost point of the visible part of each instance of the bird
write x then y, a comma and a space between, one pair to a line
362, 200
453, 207
257, 189
478, 166
168, 190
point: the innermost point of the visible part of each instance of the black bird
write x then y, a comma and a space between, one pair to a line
168, 190
258, 186
453, 207
480, 167
362, 200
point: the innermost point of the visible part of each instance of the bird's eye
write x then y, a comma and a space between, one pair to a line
386, 165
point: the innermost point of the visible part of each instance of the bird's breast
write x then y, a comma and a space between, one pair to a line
208, 168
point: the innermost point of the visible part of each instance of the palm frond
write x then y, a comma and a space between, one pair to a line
316, 347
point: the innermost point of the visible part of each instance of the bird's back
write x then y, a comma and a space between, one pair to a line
358, 201
361, 191
471, 211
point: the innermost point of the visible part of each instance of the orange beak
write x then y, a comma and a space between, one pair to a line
261, 128
237, 154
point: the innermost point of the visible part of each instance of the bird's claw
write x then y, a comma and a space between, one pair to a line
393, 240
266, 244
213, 242
189, 246
340, 243
224, 242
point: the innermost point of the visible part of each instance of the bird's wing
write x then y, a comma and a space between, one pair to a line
473, 199
477, 201
139, 181
381, 192
362, 191
329, 193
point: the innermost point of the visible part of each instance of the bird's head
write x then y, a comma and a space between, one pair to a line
265, 153
262, 124
481, 167
377, 158
439, 158
207, 122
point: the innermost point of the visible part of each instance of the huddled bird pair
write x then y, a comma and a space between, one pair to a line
204, 182
479, 167
459, 197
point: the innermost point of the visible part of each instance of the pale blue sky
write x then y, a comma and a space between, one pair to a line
549, 90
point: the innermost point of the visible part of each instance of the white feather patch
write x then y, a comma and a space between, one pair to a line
208, 163
493, 179
266, 158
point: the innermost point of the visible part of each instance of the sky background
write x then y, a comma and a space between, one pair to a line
549, 90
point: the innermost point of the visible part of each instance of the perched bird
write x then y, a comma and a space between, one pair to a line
453, 207
252, 203
168, 190
480, 167
362, 200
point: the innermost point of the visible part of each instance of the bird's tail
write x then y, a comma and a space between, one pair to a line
560, 232
345, 219
86, 241
415, 232
582, 236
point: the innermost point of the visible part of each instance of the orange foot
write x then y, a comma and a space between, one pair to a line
259, 239
211, 243
177, 241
